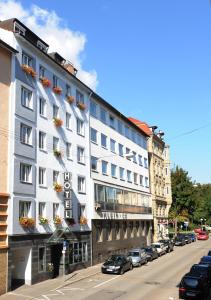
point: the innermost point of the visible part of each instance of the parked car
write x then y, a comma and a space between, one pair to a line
192, 236
202, 270
187, 238
180, 241
161, 249
151, 252
117, 264
203, 236
193, 287
138, 256
169, 245
209, 253
198, 230
205, 260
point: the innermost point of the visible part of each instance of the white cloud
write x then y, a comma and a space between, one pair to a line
47, 24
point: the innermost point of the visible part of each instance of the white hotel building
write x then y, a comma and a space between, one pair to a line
58, 126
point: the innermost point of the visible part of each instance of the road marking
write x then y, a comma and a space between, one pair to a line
102, 283
72, 289
20, 295
60, 292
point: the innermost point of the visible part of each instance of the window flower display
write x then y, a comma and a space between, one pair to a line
81, 105
57, 220
83, 220
57, 187
57, 153
45, 82
70, 99
27, 222
57, 122
29, 70
57, 90
43, 220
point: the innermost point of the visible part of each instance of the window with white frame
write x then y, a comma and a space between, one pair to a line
103, 115
26, 98
94, 163
41, 259
55, 143
140, 160
135, 176
42, 176
24, 209
134, 157
55, 81
81, 184
111, 121
42, 107
129, 176
26, 59
69, 150
55, 111
80, 127
55, 176
68, 90
146, 182
81, 155
120, 127
25, 173
121, 153
112, 145
55, 210
94, 135
42, 140
81, 211
122, 173
93, 109
68, 121
141, 180
41, 72
113, 170
42, 209
146, 163
79, 97
104, 167
26, 134
103, 140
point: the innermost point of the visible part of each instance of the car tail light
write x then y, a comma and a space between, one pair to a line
182, 289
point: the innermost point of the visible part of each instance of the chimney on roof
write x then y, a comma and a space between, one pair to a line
70, 68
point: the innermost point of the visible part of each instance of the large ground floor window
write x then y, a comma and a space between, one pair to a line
78, 252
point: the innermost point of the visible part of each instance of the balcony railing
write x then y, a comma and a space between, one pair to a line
123, 208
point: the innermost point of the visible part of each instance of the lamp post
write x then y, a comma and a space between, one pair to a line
203, 220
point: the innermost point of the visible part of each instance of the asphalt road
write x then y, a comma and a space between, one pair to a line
158, 280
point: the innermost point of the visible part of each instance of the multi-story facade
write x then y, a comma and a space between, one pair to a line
6, 56
160, 178
48, 161
122, 214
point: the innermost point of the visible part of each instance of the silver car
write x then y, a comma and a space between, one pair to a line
138, 256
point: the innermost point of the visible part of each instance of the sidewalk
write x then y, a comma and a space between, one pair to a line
44, 287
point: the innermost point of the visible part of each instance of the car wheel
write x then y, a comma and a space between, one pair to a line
131, 267
121, 272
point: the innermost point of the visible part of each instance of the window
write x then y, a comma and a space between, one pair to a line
117, 231
112, 145
26, 60
124, 227
68, 90
80, 127
69, 150
42, 107
42, 47
25, 173
131, 229
137, 229
146, 182
104, 167
94, 135
146, 163
127, 150
111, 121
120, 149
42, 259
99, 233
135, 178
26, 98
26, 134
122, 173
108, 231
134, 157
41, 209
55, 210
42, 176
103, 115
166, 169
81, 155
79, 97
140, 160
103, 140
129, 179
55, 176
141, 179
42, 140
113, 170
55, 111
55, 81
81, 184
24, 209
68, 121
127, 132
41, 72
81, 211
93, 109
94, 163
55, 143
78, 252
120, 127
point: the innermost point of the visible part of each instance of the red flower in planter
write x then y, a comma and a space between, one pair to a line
29, 70
45, 82
57, 122
27, 222
57, 90
81, 105
70, 99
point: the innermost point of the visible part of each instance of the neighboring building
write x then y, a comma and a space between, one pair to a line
49, 120
122, 214
6, 56
160, 178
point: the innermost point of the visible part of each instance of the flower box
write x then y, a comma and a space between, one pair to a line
43, 220
83, 220
57, 153
45, 82
70, 99
57, 220
57, 90
57, 122
57, 187
27, 222
29, 70
81, 105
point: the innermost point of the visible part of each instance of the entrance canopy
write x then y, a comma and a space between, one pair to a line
59, 235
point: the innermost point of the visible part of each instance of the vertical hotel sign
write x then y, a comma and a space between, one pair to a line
68, 210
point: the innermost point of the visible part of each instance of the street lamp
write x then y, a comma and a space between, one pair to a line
203, 219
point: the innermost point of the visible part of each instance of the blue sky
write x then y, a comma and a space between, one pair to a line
153, 62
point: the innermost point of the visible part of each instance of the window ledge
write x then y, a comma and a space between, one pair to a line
43, 150
25, 144
105, 174
93, 142
95, 171
81, 163
25, 182
43, 117
43, 186
82, 193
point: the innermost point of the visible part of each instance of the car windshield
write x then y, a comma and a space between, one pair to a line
190, 282
157, 246
114, 258
148, 249
206, 259
133, 253
198, 270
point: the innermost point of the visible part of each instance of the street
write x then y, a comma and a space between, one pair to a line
156, 280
